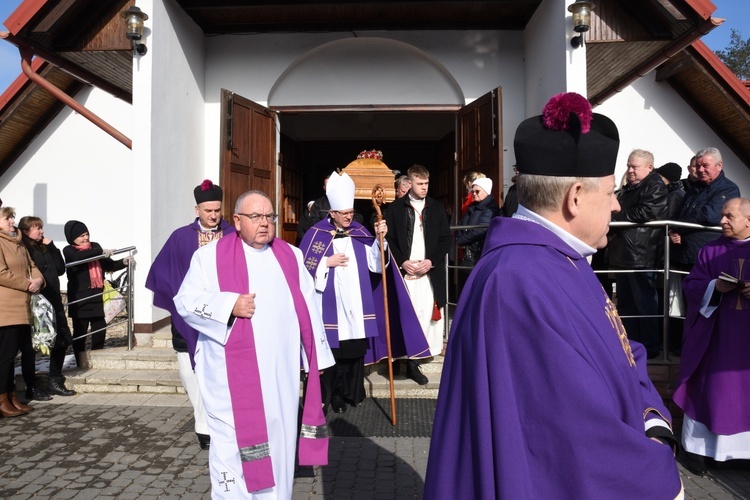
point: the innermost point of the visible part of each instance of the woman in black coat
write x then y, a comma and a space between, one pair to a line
87, 280
481, 211
49, 260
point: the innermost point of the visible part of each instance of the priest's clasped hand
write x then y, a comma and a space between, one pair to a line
337, 259
245, 306
417, 267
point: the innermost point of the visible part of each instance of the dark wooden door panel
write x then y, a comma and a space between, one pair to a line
248, 149
480, 144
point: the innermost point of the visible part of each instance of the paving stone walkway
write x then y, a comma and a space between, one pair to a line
142, 447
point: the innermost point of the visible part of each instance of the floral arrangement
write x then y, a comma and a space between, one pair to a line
373, 153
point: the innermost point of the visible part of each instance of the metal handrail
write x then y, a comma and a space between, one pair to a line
666, 271
128, 292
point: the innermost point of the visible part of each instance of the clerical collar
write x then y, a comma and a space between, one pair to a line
418, 200
205, 230
579, 246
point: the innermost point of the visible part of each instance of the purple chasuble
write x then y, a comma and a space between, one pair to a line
407, 337
714, 366
169, 269
542, 395
244, 377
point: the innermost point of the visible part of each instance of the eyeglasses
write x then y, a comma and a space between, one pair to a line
476, 192
348, 213
257, 218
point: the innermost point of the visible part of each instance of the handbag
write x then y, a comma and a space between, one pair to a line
44, 323
114, 302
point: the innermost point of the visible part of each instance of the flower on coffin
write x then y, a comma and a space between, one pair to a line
373, 153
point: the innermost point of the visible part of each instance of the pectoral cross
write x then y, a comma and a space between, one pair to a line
202, 312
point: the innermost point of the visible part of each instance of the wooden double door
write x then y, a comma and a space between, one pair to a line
252, 159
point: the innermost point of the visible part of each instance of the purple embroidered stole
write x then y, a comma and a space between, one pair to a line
244, 376
321, 247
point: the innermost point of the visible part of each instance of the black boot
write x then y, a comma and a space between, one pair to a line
338, 404
415, 373
697, 464
57, 387
204, 440
35, 393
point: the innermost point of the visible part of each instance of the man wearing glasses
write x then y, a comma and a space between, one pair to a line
254, 305
166, 275
344, 259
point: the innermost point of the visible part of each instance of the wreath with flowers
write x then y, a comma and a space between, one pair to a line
373, 153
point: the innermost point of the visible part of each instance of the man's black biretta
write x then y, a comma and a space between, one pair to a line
567, 140
207, 191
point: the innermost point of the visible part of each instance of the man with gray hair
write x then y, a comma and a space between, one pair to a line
702, 204
642, 199
542, 394
713, 369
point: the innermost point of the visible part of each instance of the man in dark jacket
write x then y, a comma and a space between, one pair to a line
419, 239
643, 199
702, 205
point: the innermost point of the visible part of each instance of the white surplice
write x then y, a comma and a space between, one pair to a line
349, 312
277, 342
420, 290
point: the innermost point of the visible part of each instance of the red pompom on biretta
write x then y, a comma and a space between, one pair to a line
206, 185
567, 140
556, 113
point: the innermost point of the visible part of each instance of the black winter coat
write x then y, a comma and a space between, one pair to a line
674, 200
637, 247
49, 261
478, 213
400, 218
79, 283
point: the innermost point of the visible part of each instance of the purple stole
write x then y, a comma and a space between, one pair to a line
244, 376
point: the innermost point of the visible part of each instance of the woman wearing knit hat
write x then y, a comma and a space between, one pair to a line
480, 212
87, 280
671, 173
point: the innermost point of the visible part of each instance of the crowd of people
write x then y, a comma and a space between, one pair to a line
531, 373
31, 264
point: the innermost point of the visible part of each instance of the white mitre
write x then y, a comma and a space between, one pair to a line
340, 191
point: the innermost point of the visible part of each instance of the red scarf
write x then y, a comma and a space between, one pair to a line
96, 276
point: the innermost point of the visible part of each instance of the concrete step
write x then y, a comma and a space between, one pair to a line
154, 370
125, 381
162, 338
140, 358
377, 384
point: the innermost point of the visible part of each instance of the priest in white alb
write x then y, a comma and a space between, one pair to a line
254, 305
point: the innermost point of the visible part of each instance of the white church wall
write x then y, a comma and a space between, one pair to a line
549, 56
651, 115
75, 170
479, 61
168, 97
